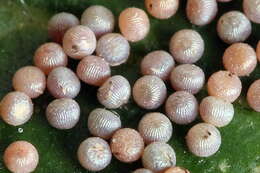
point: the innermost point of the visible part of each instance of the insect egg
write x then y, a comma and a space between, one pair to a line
155, 127
99, 19
127, 145
224, 0
149, 92
134, 24
158, 156
63, 83
177, 170
49, 56
258, 51
59, 24
162, 9
63, 113
94, 154
21, 157
253, 95
159, 63
79, 41
16, 108
187, 77
103, 123
30, 80
203, 140
93, 70
240, 59
224, 85
216, 111
251, 9
142, 170
115, 92
182, 107
114, 48
233, 27
201, 12
187, 46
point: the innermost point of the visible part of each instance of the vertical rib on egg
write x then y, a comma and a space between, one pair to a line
115, 92
103, 123
251, 9
149, 92
253, 95
203, 140
114, 48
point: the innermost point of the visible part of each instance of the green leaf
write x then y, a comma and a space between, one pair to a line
23, 29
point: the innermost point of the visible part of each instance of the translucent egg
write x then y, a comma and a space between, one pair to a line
114, 48
142, 170
59, 24
99, 19
93, 70
30, 80
134, 24
251, 9
149, 92
181, 107
203, 140
49, 56
176, 169
253, 95
155, 127
79, 41
187, 77
224, 85
94, 154
233, 27
240, 59
187, 46
103, 123
63, 83
158, 156
216, 111
63, 113
159, 63
16, 108
201, 12
115, 92
162, 9
127, 145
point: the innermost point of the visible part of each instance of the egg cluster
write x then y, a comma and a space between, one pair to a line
94, 44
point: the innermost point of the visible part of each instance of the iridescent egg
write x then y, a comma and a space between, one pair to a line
253, 95
251, 9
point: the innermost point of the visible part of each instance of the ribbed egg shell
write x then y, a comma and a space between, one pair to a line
155, 127
159, 63
16, 108
79, 41
240, 59
162, 9
149, 92
233, 27
203, 140
94, 154
187, 46
63, 83
158, 156
127, 145
187, 77
251, 9
201, 12
115, 92
99, 19
134, 24
176, 169
93, 70
59, 24
63, 113
114, 48
216, 111
142, 170
182, 107
253, 95
224, 85
103, 123
30, 80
